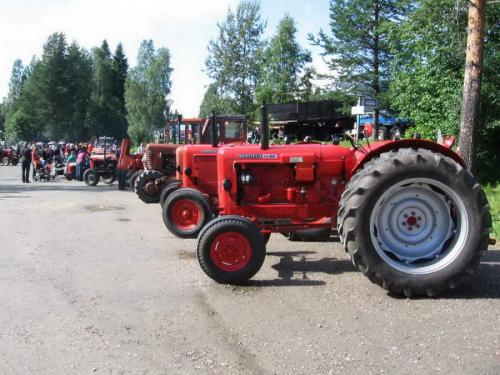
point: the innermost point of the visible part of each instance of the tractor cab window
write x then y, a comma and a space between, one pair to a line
208, 130
232, 130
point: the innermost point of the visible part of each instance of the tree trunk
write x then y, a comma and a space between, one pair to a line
376, 66
469, 119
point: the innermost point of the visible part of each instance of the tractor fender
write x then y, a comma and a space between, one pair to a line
379, 148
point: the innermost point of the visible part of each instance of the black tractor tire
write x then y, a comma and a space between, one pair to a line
108, 179
185, 212
421, 177
5, 161
216, 249
91, 177
69, 176
133, 178
167, 190
310, 235
144, 178
14, 161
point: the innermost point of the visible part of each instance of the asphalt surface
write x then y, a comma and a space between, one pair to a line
91, 282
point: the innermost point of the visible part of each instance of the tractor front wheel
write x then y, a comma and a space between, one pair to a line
147, 186
415, 222
167, 190
185, 212
5, 161
231, 249
108, 178
91, 177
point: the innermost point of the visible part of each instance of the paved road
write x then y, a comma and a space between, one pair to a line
91, 282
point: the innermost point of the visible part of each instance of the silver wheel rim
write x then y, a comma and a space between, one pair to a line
419, 226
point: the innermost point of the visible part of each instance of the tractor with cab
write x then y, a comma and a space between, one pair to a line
161, 164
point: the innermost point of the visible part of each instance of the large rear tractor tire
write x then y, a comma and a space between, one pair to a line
185, 212
414, 222
147, 186
14, 161
231, 249
91, 177
167, 190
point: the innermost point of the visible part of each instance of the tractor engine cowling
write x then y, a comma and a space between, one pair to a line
292, 184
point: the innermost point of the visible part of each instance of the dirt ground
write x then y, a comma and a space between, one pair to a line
92, 282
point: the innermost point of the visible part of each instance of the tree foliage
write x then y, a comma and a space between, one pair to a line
234, 59
357, 45
428, 70
283, 76
105, 114
146, 91
68, 93
213, 101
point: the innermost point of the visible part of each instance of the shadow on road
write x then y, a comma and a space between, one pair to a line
485, 283
295, 267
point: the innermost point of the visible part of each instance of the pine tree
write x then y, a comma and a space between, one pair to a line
11, 102
103, 115
79, 89
357, 44
470, 114
120, 70
53, 90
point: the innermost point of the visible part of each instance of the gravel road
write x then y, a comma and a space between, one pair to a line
91, 282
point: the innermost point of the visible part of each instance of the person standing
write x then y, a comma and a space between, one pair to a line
25, 163
81, 161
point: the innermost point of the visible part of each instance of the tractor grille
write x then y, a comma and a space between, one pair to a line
153, 161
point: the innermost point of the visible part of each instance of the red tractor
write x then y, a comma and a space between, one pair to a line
7, 156
129, 166
101, 166
161, 162
409, 214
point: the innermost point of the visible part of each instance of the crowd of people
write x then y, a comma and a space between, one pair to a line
39, 155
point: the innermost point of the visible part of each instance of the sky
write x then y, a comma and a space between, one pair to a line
183, 26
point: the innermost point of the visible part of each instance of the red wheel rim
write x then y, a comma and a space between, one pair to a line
230, 251
186, 214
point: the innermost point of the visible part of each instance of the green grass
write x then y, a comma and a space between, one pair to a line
493, 193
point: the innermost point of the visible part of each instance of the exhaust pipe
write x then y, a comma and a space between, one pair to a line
214, 129
177, 133
264, 127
